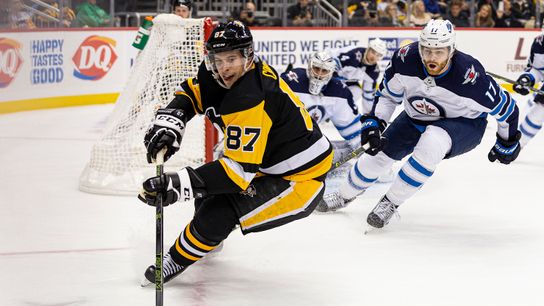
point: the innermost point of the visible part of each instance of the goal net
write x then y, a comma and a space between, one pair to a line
173, 53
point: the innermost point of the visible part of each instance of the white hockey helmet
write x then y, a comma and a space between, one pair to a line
321, 66
378, 45
437, 34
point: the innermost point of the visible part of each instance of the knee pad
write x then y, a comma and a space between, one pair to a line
215, 219
432, 147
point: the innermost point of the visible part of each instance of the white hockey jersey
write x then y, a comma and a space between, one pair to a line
350, 67
334, 103
535, 64
464, 90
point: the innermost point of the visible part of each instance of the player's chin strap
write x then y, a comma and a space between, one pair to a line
538, 91
353, 154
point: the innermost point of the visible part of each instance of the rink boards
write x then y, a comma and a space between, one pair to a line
45, 69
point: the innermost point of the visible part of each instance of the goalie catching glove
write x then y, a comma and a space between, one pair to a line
171, 187
166, 132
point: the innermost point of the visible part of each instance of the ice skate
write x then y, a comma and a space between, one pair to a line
332, 202
170, 270
382, 213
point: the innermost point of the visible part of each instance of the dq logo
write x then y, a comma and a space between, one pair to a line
94, 58
10, 60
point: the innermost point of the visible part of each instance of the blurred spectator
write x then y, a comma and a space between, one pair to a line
505, 18
402, 10
432, 7
20, 18
300, 14
522, 10
492, 3
91, 15
358, 15
247, 15
68, 14
484, 18
390, 17
183, 8
419, 17
456, 15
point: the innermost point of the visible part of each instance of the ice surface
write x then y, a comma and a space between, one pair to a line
474, 235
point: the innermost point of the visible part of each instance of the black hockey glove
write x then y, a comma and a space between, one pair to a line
371, 133
166, 132
505, 151
172, 187
525, 80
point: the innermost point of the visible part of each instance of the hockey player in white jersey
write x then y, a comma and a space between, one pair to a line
534, 73
359, 68
327, 98
446, 96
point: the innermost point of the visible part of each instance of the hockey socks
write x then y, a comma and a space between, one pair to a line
191, 246
532, 123
410, 179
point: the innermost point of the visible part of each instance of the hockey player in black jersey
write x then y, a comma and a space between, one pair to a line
275, 157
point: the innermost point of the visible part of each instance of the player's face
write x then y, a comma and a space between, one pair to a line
435, 59
230, 66
372, 57
182, 11
320, 73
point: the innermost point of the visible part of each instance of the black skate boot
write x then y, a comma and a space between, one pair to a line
382, 213
170, 269
332, 202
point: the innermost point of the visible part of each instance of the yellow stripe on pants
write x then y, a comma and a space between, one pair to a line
292, 201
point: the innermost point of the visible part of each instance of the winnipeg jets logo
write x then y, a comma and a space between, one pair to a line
292, 76
403, 52
426, 106
317, 112
539, 39
359, 56
470, 76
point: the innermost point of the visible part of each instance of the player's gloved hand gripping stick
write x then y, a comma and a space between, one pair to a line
535, 90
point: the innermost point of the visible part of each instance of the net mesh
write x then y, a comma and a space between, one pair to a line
118, 160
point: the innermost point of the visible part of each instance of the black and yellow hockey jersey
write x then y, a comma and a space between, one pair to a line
267, 129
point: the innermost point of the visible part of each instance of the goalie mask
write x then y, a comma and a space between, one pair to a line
320, 69
229, 52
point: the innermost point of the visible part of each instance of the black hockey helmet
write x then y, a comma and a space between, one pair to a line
233, 35
187, 3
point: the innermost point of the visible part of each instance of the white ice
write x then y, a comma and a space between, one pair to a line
474, 235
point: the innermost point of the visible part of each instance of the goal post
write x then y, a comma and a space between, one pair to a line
173, 53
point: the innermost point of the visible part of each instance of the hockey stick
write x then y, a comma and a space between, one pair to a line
355, 153
538, 91
159, 237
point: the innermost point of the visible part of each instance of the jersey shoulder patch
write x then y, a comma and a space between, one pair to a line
297, 79
407, 60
